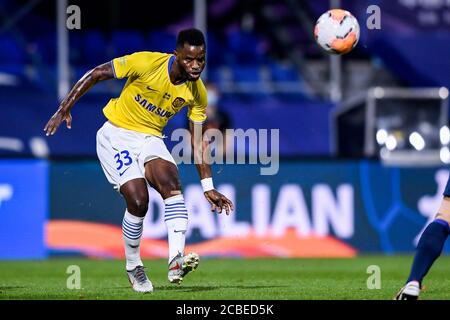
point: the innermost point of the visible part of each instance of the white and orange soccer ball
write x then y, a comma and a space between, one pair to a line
337, 31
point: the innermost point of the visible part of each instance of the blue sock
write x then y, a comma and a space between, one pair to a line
429, 249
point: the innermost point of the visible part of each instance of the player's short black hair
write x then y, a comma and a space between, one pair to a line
194, 37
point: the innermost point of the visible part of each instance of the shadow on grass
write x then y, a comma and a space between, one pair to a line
183, 288
4, 288
210, 288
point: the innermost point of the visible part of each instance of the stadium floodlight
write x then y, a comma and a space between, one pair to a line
401, 126
443, 93
391, 142
417, 141
444, 154
382, 136
444, 135
418, 119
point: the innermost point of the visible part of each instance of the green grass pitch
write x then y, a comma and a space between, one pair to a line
237, 279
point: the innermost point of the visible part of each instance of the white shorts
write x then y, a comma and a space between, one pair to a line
123, 153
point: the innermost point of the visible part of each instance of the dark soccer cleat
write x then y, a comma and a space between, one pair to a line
410, 291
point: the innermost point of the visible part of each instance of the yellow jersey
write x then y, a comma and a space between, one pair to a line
149, 99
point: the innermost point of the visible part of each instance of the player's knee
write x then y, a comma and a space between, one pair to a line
170, 189
138, 206
444, 210
444, 216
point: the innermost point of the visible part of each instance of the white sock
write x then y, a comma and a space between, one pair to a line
132, 231
176, 218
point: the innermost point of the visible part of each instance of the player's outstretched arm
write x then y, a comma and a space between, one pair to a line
99, 73
200, 148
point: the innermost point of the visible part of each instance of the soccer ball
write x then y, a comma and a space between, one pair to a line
337, 31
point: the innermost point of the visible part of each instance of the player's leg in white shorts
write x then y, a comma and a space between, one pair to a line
118, 150
161, 171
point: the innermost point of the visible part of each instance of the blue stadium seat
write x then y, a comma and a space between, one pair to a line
46, 48
127, 42
247, 73
94, 49
215, 50
283, 72
161, 41
75, 47
219, 75
12, 69
11, 52
250, 82
245, 48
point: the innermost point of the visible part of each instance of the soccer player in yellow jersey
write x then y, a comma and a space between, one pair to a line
131, 150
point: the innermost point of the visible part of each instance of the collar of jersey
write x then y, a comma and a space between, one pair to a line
170, 67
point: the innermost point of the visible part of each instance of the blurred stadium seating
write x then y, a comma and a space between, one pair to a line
238, 62
258, 59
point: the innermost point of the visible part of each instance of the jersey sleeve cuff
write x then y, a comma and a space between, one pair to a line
113, 69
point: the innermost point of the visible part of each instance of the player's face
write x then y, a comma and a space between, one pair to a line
192, 60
